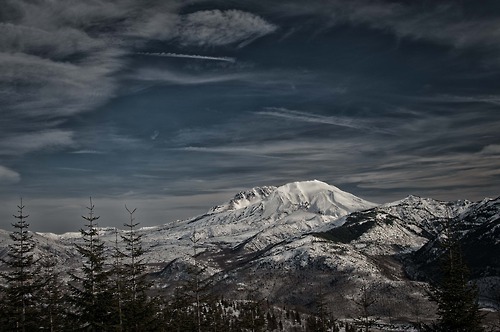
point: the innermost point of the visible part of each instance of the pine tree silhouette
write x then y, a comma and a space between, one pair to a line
137, 311
91, 291
458, 309
20, 294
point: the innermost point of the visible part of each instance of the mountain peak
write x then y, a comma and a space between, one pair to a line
314, 196
411, 200
244, 199
318, 197
308, 186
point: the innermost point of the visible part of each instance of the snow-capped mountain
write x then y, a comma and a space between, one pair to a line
308, 236
261, 217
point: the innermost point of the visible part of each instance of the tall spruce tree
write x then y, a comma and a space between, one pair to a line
137, 307
91, 290
458, 309
19, 303
118, 278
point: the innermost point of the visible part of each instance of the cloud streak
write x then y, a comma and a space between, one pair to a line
189, 56
444, 23
320, 119
180, 78
88, 152
440, 175
24, 143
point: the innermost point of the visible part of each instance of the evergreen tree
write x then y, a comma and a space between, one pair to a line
137, 311
52, 316
458, 309
91, 291
19, 303
118, 278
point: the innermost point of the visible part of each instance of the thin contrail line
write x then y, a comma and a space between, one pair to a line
189, 56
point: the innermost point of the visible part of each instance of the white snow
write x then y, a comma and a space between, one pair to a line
281, 219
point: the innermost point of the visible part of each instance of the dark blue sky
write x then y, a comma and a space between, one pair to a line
174, 106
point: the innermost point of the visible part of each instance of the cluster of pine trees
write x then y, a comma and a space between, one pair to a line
97, 297
113, 292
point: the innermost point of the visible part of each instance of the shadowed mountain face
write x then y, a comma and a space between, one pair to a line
304, 240
478, 232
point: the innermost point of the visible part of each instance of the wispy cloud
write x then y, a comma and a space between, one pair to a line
24, 143
309, 117
216, 28
105, 139
87, 152
189, 56
445, 23
352, 123
8, 176
147, 176
181, 78
154, 135
74, 169
53, 44
49, 88
444, 175
256, 151
464, 99
62, 58
491, 149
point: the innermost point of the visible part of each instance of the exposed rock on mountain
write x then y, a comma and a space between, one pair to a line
304, 240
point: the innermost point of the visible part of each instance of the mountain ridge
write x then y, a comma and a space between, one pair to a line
310, 233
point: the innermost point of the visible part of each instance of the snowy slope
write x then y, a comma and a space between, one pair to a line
46, 244
251, 221
303, 232
394, 228
369, 247
265, 216
424, 212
